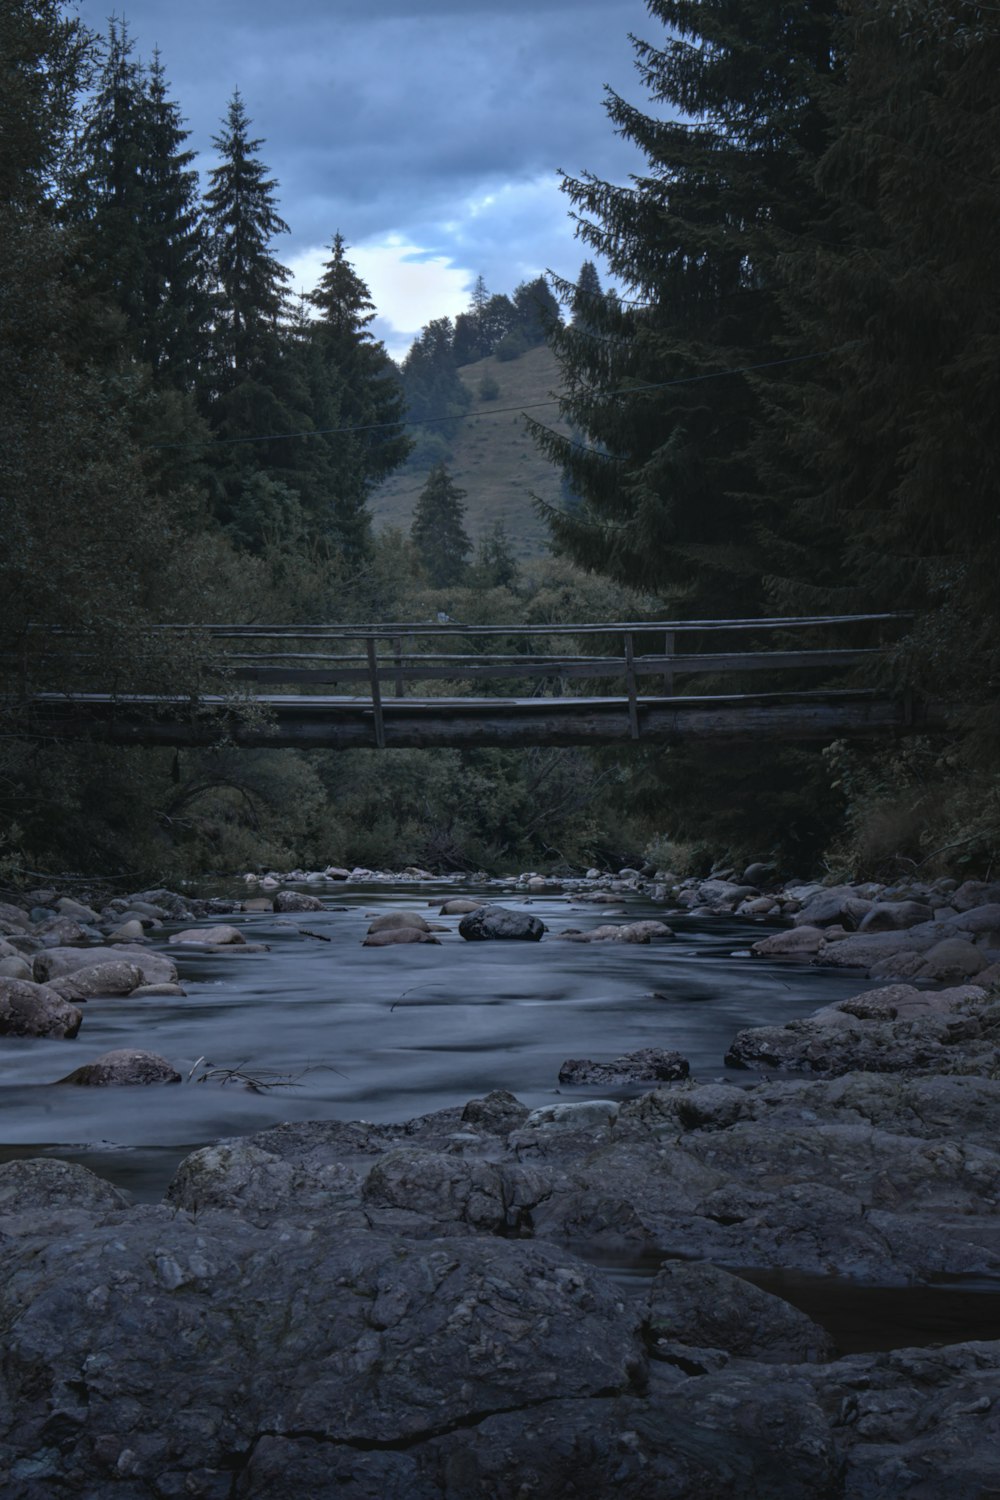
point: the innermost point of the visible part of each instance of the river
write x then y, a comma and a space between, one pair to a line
385, 1034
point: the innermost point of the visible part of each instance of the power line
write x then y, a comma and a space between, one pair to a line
499, 411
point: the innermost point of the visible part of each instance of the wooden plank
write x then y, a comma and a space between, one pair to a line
668, 670
376, 694
344, 724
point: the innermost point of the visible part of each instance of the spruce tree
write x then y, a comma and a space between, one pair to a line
242, 215
586, 294
438, 531
357, 386
671, 498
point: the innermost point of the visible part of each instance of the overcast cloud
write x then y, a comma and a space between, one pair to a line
429, 134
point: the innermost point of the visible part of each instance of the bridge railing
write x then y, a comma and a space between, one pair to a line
635, 659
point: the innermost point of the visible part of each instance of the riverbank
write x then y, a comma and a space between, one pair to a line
440, 1304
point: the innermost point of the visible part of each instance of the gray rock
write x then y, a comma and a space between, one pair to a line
169, 1353
123, 1068
29, 1009
391, 920
76, 909
701, 1307
391, 937
838, 905
42, 1194
53, 963
648, 1065
499, 922
132, 931
896, 1029
296, 901
221, 936
893, 916
793, 943
15, 968
459, 906
98, 979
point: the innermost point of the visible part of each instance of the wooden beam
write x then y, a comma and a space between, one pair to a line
376, 695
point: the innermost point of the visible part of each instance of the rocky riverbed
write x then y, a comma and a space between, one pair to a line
424, 1308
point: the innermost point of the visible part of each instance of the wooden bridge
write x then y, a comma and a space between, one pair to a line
439, 683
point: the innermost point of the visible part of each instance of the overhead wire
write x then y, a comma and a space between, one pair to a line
498, 411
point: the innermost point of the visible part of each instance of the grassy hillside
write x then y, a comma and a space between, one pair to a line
493, 458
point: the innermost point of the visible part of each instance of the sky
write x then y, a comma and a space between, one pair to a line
430, 133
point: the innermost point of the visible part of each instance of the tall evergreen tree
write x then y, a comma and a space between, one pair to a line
45, 58
536, 310
358, 388
586, 294
671, 499
438, 531
250, 292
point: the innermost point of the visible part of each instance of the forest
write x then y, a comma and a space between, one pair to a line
785, 402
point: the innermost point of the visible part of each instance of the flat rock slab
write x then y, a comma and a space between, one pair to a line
53, 963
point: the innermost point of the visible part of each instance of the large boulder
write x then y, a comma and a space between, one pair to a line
894, 916
123, 1068
894, 1029
499, 923
53, 963
29, 1009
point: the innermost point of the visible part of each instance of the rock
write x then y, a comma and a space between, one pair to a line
893, 916
389, 920
497, 1114
296, 901
978, 919
53, 963
974, 893
759, 874
862, 950
328, 1364
499, 923
837, 905
29, 1009
648, 1065
460, 906
128, 932
390, 937
98, 979
61, 931
209, 937
702, 1307
627, 932
15, 968
336, 872
796, 942
576, 1116
76, 909
163, 903
257, 903
40, 1191
951, 959
149, 991
894, 1029
123, 1068
15, 915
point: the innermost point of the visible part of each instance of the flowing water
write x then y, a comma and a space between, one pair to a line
384, 1034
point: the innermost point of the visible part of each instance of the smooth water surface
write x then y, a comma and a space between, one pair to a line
385, 1034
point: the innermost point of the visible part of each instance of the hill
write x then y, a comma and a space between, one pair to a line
493, 458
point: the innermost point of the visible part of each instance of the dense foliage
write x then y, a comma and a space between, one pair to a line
791, 410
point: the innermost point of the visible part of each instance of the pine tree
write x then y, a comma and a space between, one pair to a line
359, 388
45, 59
671, 498
438, 532
536, 310
250, 295
587, 294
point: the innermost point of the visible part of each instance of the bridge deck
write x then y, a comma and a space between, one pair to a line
341, 722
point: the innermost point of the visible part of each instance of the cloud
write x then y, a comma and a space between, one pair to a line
440, 124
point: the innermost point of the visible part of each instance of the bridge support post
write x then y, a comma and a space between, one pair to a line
376, 692
630, 688
397, 647
668, 651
